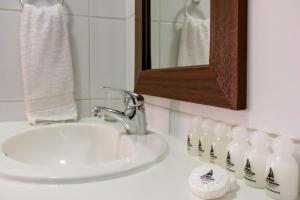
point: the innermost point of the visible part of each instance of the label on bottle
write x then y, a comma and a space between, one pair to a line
207, 177
271, 183
229, 163
189, 144
200, 149
213, 157
248, 173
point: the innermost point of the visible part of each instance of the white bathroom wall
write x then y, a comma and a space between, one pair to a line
167, 17
273, 78
99, 40
103, 46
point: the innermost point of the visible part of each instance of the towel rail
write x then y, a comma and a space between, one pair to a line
22, 2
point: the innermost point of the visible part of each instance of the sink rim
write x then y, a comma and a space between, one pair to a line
142, 159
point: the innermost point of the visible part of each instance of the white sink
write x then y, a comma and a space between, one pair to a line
76, 152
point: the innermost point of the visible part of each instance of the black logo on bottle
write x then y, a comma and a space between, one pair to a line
271, 184
213, 157
229, 163
189, 144
208, 177
200, 149
248, 173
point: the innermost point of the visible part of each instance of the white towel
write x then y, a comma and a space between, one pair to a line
46, 65
194, 42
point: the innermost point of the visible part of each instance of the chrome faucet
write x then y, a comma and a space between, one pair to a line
133, 117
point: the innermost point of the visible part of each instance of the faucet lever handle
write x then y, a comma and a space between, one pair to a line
136, 99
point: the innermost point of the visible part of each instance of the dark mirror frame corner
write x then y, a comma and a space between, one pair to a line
222, 84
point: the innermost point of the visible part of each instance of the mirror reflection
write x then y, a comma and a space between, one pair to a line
180, 33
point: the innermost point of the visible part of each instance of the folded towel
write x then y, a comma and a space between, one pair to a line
194, 42
46, 65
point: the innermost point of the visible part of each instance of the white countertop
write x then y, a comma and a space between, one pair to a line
168, 180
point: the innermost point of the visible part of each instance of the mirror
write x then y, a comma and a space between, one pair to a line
220, 79
180, 33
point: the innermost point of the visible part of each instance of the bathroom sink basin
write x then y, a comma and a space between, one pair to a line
76, 152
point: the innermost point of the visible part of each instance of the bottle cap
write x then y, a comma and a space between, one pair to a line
208, 125
221, 129
240, 133
197, 122
260, 138
283, 144
211, 182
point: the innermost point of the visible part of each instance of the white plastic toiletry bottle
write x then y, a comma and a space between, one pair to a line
194, 136
208, 126
236, 151
281, 177
255, 160
219, 144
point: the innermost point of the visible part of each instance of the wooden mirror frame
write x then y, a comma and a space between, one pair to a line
223, 83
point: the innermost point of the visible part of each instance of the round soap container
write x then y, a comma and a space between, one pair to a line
194, 134
255, 160
211, 182
236, 151
206, 138
219, 144
282, 173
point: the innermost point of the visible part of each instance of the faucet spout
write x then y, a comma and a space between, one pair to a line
133, 118
100, 111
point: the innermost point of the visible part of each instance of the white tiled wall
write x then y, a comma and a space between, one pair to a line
101, 50
273, 100
167, 17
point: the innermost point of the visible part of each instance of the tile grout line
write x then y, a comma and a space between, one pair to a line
159, 62
22, 101
12, 101
159, 49
74, 15
167, 22
89, 50
127, 27
111, 18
